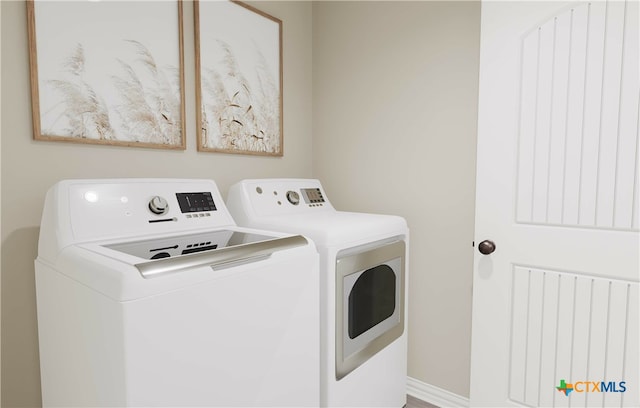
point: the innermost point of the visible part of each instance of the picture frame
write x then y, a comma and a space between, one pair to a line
238, 79
109, 72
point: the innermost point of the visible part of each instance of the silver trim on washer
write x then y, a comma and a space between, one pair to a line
350, 262
220, 258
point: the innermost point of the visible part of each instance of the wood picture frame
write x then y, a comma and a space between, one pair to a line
238, 79
108, 72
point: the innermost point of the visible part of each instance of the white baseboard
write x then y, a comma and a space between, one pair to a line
434, 395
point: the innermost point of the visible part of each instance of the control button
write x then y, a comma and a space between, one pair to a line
161, 255
293, 197
158, 205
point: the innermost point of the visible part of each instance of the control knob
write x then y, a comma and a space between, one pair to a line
293, 197
158, 205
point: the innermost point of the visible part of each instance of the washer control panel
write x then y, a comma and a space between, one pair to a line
121, 207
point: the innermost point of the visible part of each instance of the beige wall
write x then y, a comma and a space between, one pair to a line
29, 168
394, 127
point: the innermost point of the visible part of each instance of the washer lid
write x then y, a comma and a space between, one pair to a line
217, 249
167, 247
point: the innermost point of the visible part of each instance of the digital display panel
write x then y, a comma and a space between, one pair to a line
195, 202
313, 195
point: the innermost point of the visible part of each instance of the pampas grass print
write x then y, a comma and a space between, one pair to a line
144, 107
81, 109
234, 115
149, 110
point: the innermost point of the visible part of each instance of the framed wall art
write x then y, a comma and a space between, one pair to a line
108, 72
238, 79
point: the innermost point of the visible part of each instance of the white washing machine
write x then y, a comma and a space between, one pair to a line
148, 294
363, 269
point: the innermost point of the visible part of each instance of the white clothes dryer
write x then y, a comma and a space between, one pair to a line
148, 294
363, 280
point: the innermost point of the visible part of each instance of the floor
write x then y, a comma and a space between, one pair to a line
413, 402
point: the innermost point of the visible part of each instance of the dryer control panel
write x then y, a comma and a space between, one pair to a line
279, 196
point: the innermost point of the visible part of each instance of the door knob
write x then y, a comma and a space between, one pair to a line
486, 247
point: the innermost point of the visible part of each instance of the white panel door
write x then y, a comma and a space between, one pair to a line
556, 304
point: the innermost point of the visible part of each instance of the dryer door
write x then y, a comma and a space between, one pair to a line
369, 302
